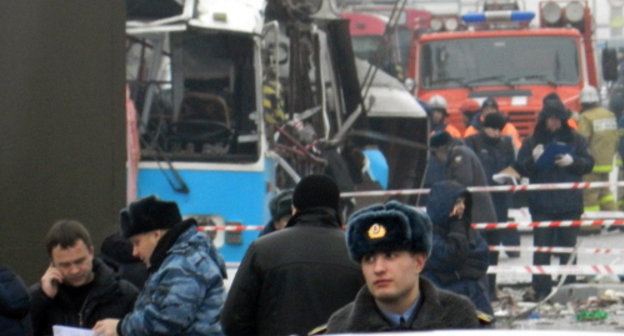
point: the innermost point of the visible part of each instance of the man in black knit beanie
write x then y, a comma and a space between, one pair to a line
290, 281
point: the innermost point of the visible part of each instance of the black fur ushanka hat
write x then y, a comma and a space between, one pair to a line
148, 214
392, 226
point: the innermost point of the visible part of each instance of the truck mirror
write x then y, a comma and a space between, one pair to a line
410, 84
609, 64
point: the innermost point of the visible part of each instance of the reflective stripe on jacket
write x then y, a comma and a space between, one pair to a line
599, 126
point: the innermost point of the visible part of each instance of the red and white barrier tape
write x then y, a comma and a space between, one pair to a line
546, 249
527, 187
548, 224
231, 228
477, 226
561, 269
545, 269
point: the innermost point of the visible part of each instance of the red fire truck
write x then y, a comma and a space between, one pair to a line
368, 24
409, 19
370, 42
497, 54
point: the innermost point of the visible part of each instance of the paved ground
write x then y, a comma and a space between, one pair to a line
563, 316
613, 239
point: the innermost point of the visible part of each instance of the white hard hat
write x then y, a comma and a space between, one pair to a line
437, 102
589, 95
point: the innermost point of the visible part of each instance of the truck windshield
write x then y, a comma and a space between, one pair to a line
366, 46
509, 61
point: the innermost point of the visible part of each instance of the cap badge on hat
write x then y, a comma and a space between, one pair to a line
377, 231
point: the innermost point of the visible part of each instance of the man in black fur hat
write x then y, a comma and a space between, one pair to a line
391, 242
184, 292
291, 280
554, 153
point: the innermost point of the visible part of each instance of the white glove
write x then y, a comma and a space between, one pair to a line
564, 160
537, 152
503, 178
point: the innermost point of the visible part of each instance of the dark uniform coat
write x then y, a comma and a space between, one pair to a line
463, 166
494, 156
292, 280
440, 310
555, 201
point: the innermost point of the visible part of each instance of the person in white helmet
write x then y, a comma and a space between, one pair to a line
438, 113
599, 126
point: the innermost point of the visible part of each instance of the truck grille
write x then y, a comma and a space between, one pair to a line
524, 121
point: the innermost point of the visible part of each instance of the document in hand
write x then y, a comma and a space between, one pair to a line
59, 330
551, 152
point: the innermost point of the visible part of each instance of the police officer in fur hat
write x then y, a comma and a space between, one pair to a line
392, 242
184, 292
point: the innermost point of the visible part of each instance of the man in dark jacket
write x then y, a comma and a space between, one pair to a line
76, 289
391, 242
554, 153
491, 106
452, 160
496, 152
291, 280
116, 252
459, 257
14, 305
280, 208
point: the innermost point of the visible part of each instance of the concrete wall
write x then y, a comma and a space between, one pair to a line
62, 131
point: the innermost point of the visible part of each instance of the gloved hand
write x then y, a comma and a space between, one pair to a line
503, 178
564, 160
537, 152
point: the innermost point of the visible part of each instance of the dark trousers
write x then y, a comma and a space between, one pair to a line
493, 238
510, 237
564, 237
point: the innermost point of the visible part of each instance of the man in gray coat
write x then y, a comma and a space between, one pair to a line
452, 160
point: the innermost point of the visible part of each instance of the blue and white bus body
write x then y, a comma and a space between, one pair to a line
222, 193
217, 189
214, 139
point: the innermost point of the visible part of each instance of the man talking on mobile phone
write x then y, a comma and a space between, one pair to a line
77, 289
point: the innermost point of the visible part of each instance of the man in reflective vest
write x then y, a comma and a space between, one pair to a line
599, 126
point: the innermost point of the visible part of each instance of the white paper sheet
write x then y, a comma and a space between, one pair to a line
59, 330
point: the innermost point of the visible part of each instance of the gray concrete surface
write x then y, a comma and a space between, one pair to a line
562, 311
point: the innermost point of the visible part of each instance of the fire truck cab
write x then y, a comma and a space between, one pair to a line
371, 42
495, 53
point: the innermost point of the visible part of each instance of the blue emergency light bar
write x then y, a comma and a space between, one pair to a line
515, 16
